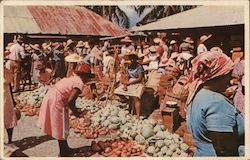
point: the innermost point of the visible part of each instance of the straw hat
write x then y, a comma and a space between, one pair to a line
96, 53
86, 44
68, 43
157, 40
80, 44
173, 42
126, 39
73, 58
27, 47
203, 38
46, 46
152, 49
35, 47
58, 45
54, 44
188, 40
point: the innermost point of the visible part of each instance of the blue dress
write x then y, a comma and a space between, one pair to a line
134, 73
211, 111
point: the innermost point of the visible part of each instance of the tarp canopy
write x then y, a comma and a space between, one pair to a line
202, 16
66, 20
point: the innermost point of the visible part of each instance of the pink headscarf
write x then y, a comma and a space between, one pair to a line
206, 66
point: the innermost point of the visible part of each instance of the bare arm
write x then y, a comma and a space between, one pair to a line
137, 80
225, 143
71, 101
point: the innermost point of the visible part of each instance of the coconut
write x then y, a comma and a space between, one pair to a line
151, 150
147, 131
164, 149
167, 142
140, 139
157, 128
159, 143
114, 119
184, 146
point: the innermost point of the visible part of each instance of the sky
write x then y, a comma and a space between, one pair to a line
132, 15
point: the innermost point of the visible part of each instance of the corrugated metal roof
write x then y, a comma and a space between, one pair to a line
19, 20
69, 20
204, 16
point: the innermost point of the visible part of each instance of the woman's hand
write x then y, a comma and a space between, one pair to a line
76, 112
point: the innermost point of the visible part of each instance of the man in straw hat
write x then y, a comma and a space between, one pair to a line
16, 54
36, 56
95, 57
80, 48
202, 47
153, 59
69, 47
187, 45
127, 47
159, 46
173, 47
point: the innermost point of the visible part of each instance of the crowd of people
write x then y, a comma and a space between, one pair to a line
215, 121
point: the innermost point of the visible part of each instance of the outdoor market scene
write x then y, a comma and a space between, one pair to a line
124, 81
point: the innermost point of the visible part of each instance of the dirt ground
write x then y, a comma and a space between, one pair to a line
33, 143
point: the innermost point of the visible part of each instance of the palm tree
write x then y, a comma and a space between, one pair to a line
158, 12
112, 13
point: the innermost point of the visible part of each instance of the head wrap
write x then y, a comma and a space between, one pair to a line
83, 69
207, 66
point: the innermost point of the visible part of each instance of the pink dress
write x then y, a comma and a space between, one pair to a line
10, 120
54, 113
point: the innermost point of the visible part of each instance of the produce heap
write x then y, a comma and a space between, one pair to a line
138, 137
30, 101
156, 139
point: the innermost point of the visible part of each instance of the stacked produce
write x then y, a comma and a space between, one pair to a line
89, 105
33, 98
157, 140
30, 102
118, 148
94, 106
83, 126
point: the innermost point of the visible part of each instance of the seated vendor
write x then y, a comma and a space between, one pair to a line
135, 74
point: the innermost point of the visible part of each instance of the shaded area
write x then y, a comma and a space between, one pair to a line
148, 102
30, 142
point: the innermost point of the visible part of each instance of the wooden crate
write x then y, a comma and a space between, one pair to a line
170, 118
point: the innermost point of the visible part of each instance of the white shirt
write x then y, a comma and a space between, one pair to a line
201, 48
16, 52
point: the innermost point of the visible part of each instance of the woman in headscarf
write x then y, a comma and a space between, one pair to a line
215, 124
54, 113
